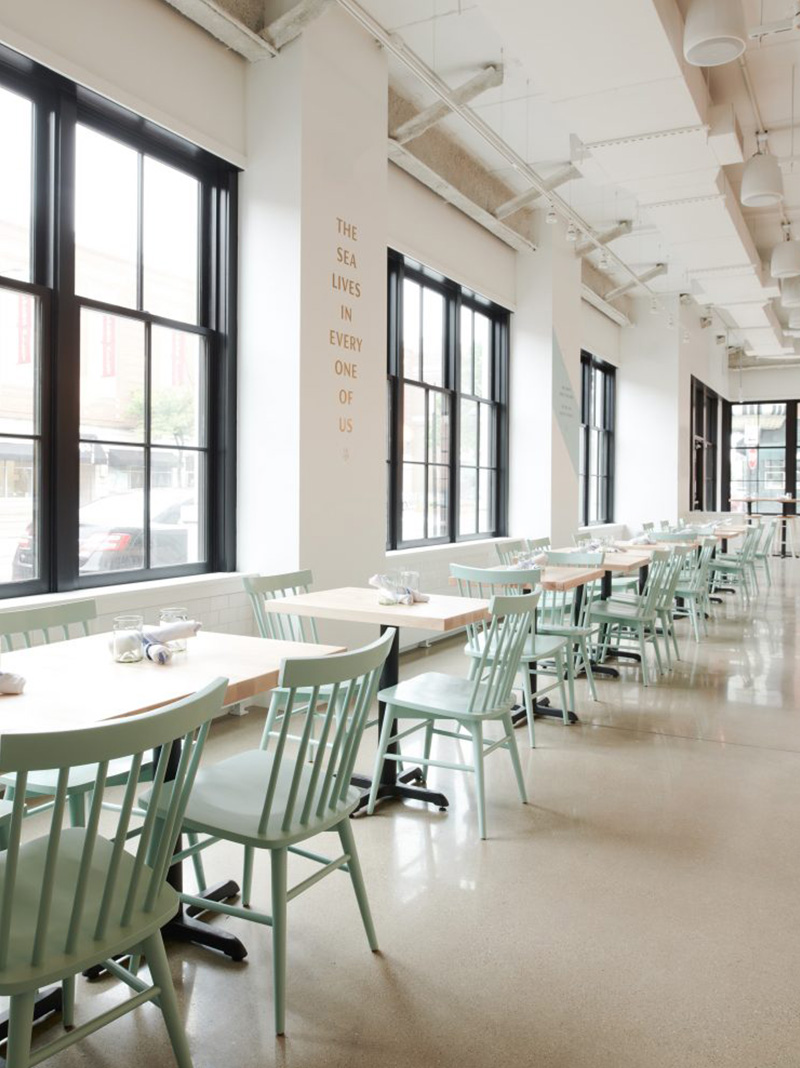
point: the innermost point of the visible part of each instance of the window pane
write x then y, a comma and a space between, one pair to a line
486, 502
466, 350
594, 452
170, 241
112, 377
483, 356
177, 405
19, 362
414, 423
438, 501
410, 340
111, 516
772, 424
19, 495
16, 181
592, 499
487, 438
175, 523
106, 218
468, 501
469, 432
413, 519
432, 337
597, 397
438, 428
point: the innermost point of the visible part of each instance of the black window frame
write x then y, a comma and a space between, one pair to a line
704, 437
59, 106
589, 365
790, 447
455, 297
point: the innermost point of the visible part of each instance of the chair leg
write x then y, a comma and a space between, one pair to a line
278, 857
662, 615
247, 876
383, 745
348, 841
508, 726
197, 862
567, 668
20, 1022
426, 752
153, 949
674, 635
584, 647
695, 610
480, 788
528, 694
643, 653
68, 1001
659, 661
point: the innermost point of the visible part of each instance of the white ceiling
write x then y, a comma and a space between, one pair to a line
592, 71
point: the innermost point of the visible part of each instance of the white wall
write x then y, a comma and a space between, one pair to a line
421, 225
142, 54
767, 383
600, 335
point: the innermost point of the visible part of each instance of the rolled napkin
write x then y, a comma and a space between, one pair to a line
171, 632
158, 653
10, 683
389, 593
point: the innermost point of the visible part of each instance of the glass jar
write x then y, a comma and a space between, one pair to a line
174, 614
126, 643
409, 580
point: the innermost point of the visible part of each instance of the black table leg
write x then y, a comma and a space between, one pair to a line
392, 784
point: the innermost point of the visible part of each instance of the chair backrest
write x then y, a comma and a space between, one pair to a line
504, 635
695, 570
580, 539
677, 561
287, 628
664, 524
311, 778
557, 608
32, 626
768, 531
648, 527
679, 536
506, 551
538, 545
567, 559
657, 575
749, 544
119, 892
490, 582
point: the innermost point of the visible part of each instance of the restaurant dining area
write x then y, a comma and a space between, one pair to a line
399, 533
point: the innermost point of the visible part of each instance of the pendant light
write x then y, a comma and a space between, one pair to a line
785, 261
762, 181
714, 32
790, 293
794, 319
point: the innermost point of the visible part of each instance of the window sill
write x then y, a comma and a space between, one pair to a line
448, 547
150, 592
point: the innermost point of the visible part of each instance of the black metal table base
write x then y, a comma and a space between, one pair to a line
540, 708
185, 928
47, 1001
627, 653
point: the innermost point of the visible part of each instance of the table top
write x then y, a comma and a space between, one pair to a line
567, 578
357, 604
774, 500
76, 683
622, 562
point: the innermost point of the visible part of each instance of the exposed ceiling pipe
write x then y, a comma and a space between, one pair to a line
488, 78
608, 235
654, 272
392, 43
564, 174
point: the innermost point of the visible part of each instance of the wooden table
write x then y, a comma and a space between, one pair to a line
355, 604
788, 510
76, 683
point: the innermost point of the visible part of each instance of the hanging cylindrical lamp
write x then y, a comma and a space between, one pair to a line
790, 293
785, 262
762, 181
794, 319
714, 32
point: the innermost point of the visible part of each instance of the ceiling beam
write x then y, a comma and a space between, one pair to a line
589, 295
488, 78
562, 175
603, 239
233, 33
293, 22
641, 279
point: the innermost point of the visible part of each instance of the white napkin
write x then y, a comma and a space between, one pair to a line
388, 593
157, 652
10, 683
171, 632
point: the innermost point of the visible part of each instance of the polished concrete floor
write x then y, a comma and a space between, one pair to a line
643, 911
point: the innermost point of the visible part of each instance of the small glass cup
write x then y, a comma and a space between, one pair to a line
127, 639
410, 580
174, 614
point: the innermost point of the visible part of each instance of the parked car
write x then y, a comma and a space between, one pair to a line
111, 538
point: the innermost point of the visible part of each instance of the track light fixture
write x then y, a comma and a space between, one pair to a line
714, 32
551, 218
603, 261
572, 232
654, 306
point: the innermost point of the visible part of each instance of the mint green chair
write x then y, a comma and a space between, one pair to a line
763, 552
648, 528
738, 567
635, 620
264, 588
539, 650
538, 545
557, 615
692, 588
24, 627
472, 703
76, 897
275, 798
664, 524
508, 550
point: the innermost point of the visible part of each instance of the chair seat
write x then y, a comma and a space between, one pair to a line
537, 646
18, 974
227, 799
620, 610
439, 694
